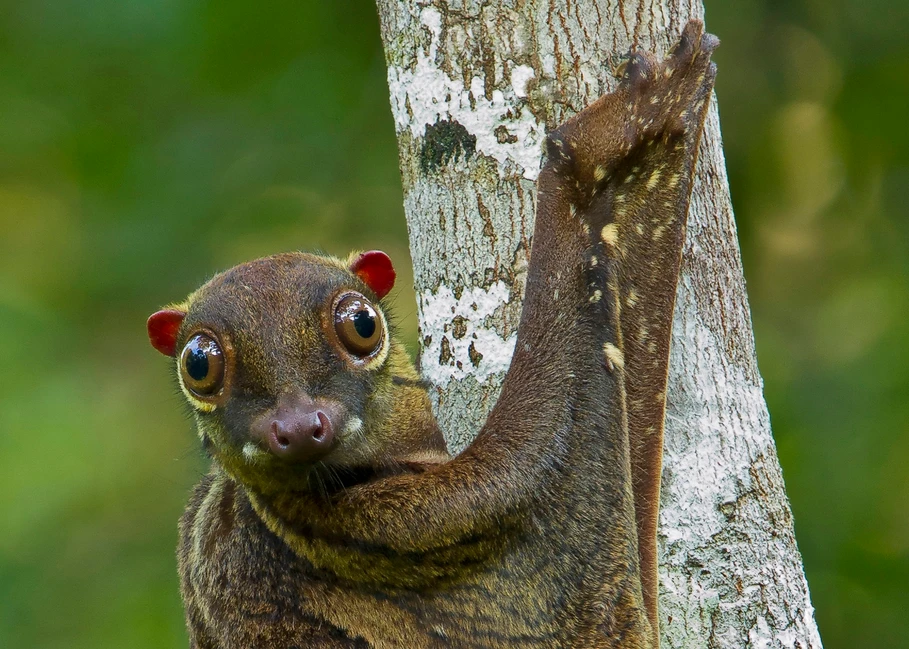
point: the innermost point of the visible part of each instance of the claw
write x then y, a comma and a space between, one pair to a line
657, 100
709, 42
619, 72
684, 50
693, 43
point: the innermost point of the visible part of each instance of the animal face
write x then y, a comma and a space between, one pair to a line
287, 364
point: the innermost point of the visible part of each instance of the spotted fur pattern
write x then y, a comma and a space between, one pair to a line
541, 533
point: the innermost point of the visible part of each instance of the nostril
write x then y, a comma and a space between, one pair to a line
321, 426
279, 435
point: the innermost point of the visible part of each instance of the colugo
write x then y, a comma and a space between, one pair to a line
333, 515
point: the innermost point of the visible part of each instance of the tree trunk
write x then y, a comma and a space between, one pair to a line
474, 88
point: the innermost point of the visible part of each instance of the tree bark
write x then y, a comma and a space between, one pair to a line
474, 88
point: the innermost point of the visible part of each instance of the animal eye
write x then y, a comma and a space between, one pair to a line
202, 365
358, 325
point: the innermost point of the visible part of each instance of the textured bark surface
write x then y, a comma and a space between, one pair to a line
474, 88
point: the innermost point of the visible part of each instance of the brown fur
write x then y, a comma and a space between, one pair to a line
542, 532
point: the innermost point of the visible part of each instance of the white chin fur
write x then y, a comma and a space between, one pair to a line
353, 426
252, 452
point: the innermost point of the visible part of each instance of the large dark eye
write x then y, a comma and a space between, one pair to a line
202, 365
358, 326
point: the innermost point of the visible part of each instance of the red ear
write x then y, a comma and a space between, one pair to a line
162, 330
375, 269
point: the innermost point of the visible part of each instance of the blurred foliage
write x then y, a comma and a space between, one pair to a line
814, 99
144, 145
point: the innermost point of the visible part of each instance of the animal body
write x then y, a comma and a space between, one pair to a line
333, 515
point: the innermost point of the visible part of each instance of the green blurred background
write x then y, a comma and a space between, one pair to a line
144, 145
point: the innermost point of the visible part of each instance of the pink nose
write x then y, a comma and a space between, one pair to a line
301, 432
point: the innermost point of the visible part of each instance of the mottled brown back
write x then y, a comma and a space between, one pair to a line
541, 533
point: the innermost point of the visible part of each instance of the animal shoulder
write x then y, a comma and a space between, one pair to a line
334, 516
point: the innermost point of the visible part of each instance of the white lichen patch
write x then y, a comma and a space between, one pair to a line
704, 499
458, 341
520, 77
423, 94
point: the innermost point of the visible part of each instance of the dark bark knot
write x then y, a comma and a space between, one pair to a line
445, 141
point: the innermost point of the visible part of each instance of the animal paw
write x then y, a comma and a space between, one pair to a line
655, 101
